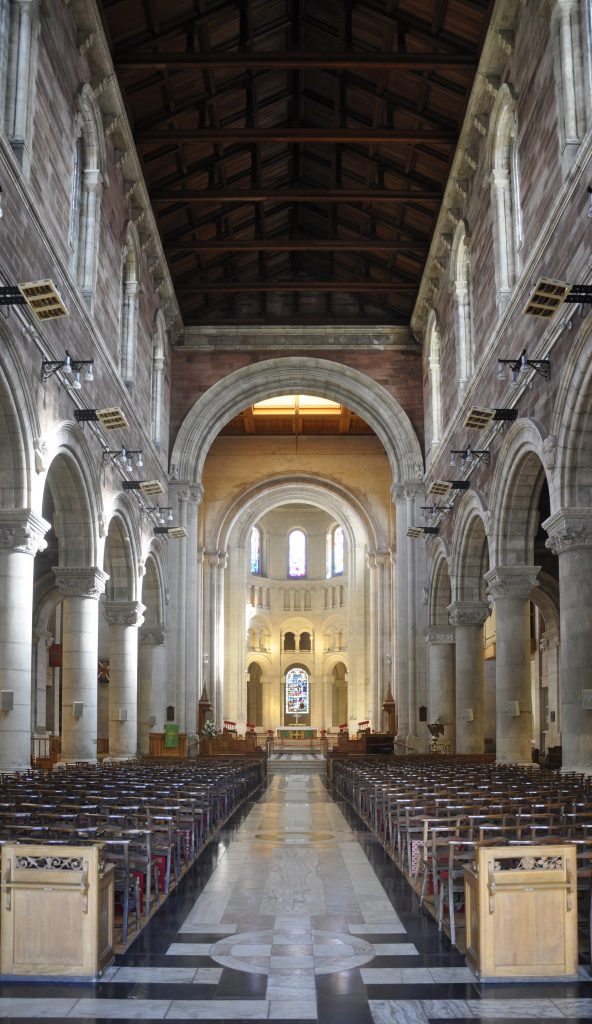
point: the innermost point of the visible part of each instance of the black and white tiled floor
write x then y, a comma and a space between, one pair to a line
293, 914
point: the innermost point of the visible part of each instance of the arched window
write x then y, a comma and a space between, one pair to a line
296, 553
304, 643
433, 347
461, 283
569, 59
87, 187
158, 360
289, 642
505, 195
130, 294
255, 546
19, 28
297, 692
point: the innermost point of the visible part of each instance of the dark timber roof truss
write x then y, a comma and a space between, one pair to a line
296, 151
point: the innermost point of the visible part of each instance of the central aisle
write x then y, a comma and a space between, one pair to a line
292, 913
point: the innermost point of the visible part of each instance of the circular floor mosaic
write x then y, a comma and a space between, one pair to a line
292, 951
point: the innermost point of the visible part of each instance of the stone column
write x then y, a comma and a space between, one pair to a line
379, 563
511, 587
215, 562
441, 680
185, 649
550, 649
124, 618
82, 588
42, 641
400, 690
21, 537
151, 683
468, 617
570, 537
24, 19
571, 61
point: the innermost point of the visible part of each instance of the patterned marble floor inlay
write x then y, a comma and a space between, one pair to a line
293, 837
293, 913
321, 952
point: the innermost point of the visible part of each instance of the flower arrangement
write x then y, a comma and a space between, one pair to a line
209, 731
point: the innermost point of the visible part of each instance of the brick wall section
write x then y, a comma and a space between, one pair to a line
530, 73
194, 372
61, 71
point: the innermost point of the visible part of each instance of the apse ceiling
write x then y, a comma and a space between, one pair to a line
296, 151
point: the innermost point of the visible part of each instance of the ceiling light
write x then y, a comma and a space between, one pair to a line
468, 455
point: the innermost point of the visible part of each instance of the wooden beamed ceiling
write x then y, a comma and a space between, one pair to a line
296, 151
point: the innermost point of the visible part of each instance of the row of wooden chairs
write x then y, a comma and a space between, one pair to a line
151, 818
431, 812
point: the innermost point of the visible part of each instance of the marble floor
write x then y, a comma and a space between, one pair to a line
294, 913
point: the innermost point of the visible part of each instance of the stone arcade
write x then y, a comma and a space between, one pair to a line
294, 242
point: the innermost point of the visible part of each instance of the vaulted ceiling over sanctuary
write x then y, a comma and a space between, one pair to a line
296, 151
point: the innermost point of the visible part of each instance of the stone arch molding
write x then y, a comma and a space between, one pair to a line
272, 493
470, 528
292, 375
521, 459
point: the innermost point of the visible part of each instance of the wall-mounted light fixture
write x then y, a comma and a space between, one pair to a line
147, 487
125, 454
521, 366
157, 512
110, 419
419, 531
481, 418
71, 369
442, 488
468, 456
176, 532
436, 511
42, 298
548, 295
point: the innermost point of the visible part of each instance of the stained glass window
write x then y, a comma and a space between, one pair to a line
338, 549
297, 692
256, 550
297, 553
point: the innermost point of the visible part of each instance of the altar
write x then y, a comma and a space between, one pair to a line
295, 736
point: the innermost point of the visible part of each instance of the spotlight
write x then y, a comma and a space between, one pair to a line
42, 298
68, 366
110, 419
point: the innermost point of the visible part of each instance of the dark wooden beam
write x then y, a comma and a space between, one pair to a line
296, 195
249, 136
300, 61
296, 245
295, 286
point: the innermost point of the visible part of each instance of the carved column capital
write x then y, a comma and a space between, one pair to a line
124, 613
378, 559
23, 531
467, 613
439, 635
153, 636
84, 581
512, 580
189, 492
217, 559
569, 529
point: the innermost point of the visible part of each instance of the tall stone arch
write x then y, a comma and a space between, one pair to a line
369, 666
224, 400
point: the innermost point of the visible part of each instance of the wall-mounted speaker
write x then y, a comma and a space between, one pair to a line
77, 708
467, 714
6, 700
122, 716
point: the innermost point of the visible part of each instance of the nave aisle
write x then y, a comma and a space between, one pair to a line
293, 913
